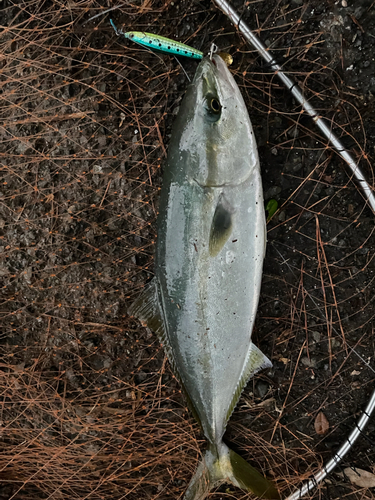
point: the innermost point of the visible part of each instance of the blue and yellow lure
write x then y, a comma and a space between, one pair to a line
159, 43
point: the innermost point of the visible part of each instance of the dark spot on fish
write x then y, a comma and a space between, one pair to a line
234, 241
195, 247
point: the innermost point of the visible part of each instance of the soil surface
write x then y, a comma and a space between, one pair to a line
90, 407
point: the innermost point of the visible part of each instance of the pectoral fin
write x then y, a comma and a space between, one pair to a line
221, 226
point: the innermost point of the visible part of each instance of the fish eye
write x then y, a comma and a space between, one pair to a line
213, 107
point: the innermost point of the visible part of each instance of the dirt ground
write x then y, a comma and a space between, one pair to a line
90, 408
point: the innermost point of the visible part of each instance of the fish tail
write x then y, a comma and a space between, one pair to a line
222, 465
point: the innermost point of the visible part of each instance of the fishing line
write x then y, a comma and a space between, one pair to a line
106, 12
183, 69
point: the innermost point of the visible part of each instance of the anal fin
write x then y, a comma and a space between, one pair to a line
256, 361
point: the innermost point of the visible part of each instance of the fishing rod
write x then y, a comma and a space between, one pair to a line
296, 92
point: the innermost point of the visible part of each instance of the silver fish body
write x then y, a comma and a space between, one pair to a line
209, 256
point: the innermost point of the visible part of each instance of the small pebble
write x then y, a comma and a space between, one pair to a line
262, 388
282, 216
316, 336
308, 362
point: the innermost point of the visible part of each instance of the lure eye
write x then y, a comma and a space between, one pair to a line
213, 108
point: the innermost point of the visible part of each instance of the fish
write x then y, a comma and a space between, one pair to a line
210, 248
159, 43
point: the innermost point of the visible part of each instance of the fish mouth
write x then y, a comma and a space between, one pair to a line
215, 72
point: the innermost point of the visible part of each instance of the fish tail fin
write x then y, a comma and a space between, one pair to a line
222, 465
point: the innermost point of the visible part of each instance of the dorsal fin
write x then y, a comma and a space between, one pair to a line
148, 309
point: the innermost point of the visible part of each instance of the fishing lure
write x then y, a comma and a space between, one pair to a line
159, 43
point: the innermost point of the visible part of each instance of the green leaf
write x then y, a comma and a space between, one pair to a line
271, 207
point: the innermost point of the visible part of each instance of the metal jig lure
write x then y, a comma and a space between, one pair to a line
159, 43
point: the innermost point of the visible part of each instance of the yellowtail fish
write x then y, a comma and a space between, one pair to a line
210, 248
